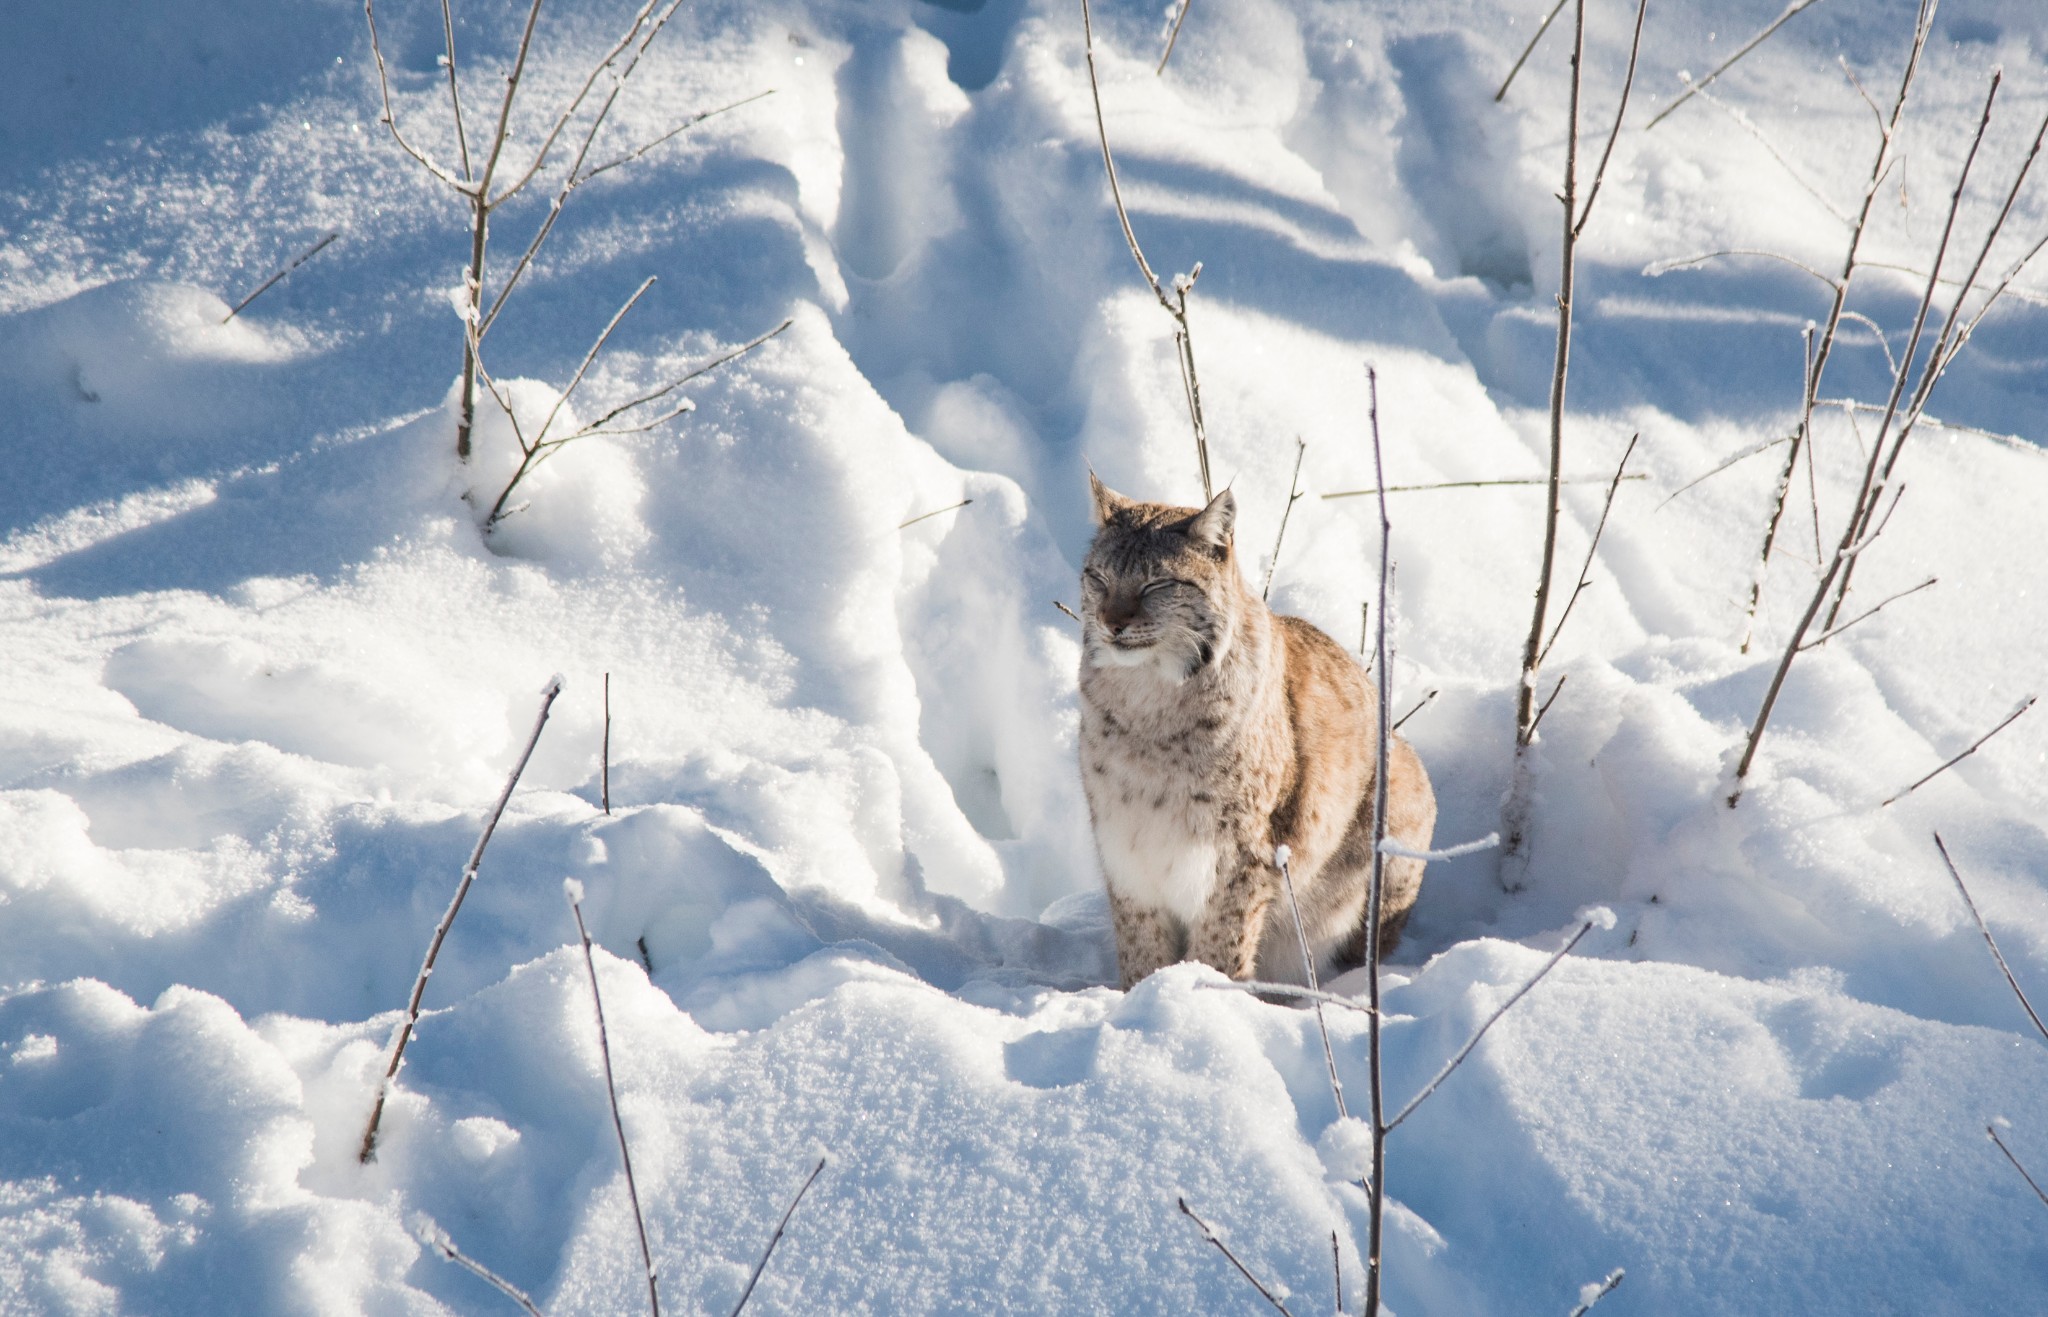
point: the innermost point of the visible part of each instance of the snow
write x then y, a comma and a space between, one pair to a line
267, 675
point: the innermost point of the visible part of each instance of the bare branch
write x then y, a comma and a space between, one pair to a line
575, 103
776, 1238
1208, 1232
1472, 1042
294, 264
1990, 941
454, 89
1420, 705
1592, 547
1554, 691
923, 516
1761, 446
389, 119
1390, 847
1793, 8
1792, 171
368, 1150
605, 768
1656, 268
1628, 83
1528, 50
1293, 493
1171, 37
1068, 611
1825, 636
574, 891
695, 373
1109, 165
1472, 484
1308, 969
2008, 721
1857, 83
1376, 1188
583, 367
481, 189
1784, 488
433, 1236
1592, 1294
2031, 1182
1337, 1271
677, 131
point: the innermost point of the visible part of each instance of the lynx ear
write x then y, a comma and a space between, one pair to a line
1213, 525
1107, 501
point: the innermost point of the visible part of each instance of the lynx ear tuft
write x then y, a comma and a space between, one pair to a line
1213, 525
1107, 501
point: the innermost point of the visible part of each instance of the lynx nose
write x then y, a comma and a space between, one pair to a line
1117, 612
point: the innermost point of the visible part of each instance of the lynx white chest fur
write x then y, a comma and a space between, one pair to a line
1213, 731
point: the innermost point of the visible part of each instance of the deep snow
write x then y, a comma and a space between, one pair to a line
265, 675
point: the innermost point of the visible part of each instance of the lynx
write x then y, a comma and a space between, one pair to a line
1212, 731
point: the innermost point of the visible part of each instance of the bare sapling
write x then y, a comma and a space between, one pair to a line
282, 273
776, 1238
573, 890
434, 1237
1879, 492
1177, 303
368, 1151
486, 178
1293, 497
1515, 810
1972, 748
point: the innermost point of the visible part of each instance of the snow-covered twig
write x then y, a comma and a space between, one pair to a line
1472, 484
776, 1238
1420, 705
1656, 268
2033, 1184
1183, 284
368, 1149
2010, 718
1796, 6
434, 1237
1600, 1289
573, 890
1592, 547
1990, 941
1281, 859
1784, 488
274, 279
1825, 636
935, 512
1390, 847
1208, 1232
1760, 446
1458, 1059
1293, 496
1528, 50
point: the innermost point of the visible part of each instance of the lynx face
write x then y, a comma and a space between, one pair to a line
1157, 586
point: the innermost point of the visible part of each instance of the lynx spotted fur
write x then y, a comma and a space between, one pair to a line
1212, 731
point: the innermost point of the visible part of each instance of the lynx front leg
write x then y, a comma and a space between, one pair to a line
1146, 938
1235, 919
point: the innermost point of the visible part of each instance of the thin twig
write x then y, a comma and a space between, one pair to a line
677, 131
454, 89
1628, 83
1592, 547
1473, 484
368, 1150
604, 779
1173, 36
1068, 611
1208, 1232
1472, 1042
1537, 721
2031, 1182
1308, 967
1337, 1272
1793, 8
1761, 446
1825, 636
1791, 468
596, 426
776, 1238
2008, 721
1390, 847
1293, 493
1614, 1277
1990, 941
1528, 50
1177, 305
1792, 171
294, 264
1376, 1189
434, 1237
922, 516
574, 891
1420, 705
390, 120
1656, 268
